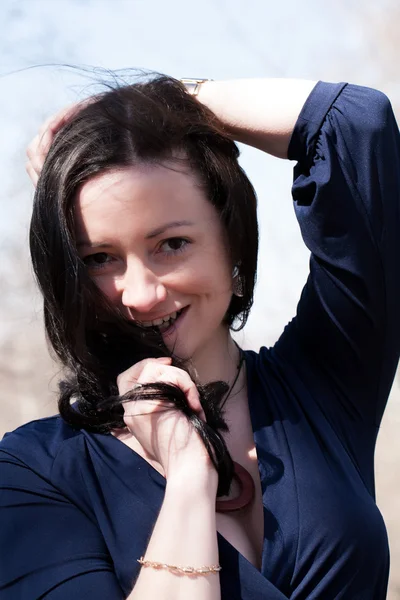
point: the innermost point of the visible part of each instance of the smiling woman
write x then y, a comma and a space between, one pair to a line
226, 475
152, 182
148, 272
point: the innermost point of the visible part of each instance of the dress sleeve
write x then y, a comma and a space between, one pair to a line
49, 548
346, 195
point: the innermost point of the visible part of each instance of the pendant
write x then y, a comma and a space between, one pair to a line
246, 494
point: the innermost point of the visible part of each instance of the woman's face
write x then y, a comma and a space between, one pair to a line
154, 245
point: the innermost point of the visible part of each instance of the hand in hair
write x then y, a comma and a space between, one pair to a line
163, 431
40, 145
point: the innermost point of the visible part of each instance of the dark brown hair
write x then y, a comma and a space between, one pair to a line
145, 122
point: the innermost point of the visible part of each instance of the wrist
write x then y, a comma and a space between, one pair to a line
193, 481
193, 85
206, 92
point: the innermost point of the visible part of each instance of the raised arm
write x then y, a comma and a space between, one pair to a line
346, 196
258, 112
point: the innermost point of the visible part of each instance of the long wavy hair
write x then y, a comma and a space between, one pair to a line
146, 122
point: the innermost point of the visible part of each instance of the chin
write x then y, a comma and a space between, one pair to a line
187, 338
181, 351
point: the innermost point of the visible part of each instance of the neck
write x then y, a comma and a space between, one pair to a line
218, 360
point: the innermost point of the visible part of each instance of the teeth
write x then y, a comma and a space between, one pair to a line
173, 316
159, 322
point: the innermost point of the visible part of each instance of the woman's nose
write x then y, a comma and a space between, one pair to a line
141, 289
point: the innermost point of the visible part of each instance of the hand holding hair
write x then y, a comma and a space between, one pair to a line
159, 414
163, 431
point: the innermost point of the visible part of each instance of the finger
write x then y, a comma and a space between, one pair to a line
48, 123
32, 148
160, 370
32, 173
40, 145
142, 364
56, 121
36, 154
192, 394
174, 376
142, 407
45, 142
37, 163
52, 125
127, 378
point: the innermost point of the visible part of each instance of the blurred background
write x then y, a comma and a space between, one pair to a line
346, 40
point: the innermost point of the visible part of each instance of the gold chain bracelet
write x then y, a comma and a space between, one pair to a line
179, 570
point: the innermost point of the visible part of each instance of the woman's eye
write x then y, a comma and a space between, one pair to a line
173, 245
97, 261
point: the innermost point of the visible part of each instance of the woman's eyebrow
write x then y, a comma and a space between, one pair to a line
164, 228
152, 234
84, 244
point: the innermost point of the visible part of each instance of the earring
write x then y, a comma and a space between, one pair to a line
237, 285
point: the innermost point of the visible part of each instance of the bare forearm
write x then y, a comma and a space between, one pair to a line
184, 535
258, 112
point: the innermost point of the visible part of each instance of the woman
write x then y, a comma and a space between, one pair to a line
144, 242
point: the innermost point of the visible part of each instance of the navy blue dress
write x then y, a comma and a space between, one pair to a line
77, 508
